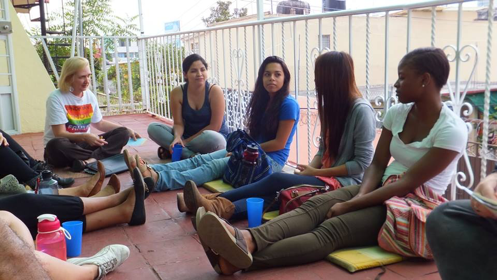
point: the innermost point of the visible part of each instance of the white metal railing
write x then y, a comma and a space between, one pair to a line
376, 38
114, 61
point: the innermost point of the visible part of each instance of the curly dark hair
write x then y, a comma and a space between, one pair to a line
260, 104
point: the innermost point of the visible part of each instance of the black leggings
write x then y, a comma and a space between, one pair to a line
27, 207
11, 162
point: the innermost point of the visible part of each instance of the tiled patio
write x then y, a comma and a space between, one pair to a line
167, 247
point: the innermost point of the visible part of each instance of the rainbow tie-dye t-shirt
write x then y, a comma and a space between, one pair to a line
75, 113
78, 118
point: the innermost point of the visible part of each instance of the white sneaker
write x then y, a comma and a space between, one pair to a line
107, 259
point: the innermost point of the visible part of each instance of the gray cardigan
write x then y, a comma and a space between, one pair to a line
356, 146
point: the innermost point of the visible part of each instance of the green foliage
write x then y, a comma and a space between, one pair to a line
222, 13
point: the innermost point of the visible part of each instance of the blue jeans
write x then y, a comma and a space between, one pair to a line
200, 169
265, 189
207, 142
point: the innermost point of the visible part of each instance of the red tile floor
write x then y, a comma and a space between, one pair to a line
167, 247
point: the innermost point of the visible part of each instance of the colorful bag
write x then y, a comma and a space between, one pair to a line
238, 174
404, 231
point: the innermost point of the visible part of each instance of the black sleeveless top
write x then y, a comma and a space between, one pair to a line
195, 120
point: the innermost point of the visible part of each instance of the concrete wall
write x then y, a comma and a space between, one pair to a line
33, 81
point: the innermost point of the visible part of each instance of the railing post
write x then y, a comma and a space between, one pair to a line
486, 105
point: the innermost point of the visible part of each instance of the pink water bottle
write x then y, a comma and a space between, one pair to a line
51, 239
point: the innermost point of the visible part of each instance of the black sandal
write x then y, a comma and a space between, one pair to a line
163, 153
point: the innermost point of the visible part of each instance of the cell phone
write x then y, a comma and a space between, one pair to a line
489, 203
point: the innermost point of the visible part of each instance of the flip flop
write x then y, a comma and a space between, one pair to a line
211, 255
216, 236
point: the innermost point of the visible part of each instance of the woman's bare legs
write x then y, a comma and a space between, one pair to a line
95, 204
112, 187
119, 214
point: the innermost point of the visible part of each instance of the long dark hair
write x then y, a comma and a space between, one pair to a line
336, 91
258, 106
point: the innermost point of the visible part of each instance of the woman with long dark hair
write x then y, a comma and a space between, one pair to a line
425, 138
346, 148
272, 120
198, 114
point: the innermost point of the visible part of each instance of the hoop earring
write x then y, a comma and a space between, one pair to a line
71, 89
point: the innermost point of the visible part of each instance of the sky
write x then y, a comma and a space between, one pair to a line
191, 12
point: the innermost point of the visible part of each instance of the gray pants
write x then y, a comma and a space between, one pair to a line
464, 244
207, 142
305, 235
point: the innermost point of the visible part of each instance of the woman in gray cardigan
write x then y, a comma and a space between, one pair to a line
345, 151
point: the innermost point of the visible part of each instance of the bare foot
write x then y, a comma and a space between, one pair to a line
112, 187
246, 236
100, 176
128, 205
145, 169
226, 267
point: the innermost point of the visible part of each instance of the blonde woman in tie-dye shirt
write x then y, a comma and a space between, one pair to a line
71, 110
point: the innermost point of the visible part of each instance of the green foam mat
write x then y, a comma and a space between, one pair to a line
354, 259
217, 186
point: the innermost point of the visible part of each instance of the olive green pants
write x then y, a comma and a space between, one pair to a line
305, 235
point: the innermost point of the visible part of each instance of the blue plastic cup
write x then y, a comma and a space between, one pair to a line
254, 210
177, 149
75, 228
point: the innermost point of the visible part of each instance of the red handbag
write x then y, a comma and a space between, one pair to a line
295, 196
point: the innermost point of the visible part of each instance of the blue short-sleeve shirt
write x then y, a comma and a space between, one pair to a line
289, 110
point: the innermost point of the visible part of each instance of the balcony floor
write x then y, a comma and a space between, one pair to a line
167, 247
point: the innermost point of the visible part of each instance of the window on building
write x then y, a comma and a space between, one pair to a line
326, 41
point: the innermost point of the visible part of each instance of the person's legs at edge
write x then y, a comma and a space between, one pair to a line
11, 163
463, 243
18, 148
207, 142
18, 251
265, 188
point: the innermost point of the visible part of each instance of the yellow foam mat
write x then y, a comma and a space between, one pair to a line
270, 215
354, 259
217, 186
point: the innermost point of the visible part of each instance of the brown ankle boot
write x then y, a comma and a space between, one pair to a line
211, 202
180, 200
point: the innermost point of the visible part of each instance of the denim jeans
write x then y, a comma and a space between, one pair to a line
200, 169
207, 142
265, 189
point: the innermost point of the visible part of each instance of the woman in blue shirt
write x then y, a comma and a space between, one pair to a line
272, 120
